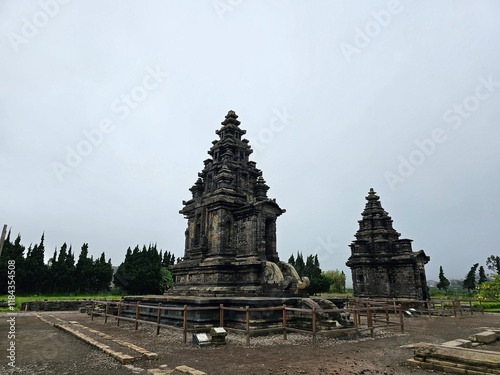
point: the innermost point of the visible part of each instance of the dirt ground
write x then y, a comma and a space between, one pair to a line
43, 349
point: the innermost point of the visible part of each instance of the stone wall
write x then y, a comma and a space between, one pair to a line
69, 305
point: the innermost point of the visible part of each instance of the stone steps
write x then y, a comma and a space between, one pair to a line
121, 350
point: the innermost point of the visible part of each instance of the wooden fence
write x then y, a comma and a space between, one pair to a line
433, 307
365, 315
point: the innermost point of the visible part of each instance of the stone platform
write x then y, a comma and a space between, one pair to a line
199, 316
204, 312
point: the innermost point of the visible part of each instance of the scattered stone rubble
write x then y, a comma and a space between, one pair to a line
460, 356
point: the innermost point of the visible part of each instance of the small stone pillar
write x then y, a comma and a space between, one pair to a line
218, 335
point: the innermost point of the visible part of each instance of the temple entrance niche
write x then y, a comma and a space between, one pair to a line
230, 247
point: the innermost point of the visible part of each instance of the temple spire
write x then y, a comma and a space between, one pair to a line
376, 222
231, 231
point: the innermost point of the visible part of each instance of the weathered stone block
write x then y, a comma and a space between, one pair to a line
187, 370
465, 357
414, 345
465, 343
459, 343
157, 371
218, 335
485, 337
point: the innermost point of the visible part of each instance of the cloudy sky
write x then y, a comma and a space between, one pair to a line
108, 109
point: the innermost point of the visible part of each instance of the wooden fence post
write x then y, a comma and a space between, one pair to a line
285, 336
106, 312
137, 315
184, 324
359, 315
369, 320
401, 319
356, 324
158, 320
92, 311
314, 326
119, 313
247, 324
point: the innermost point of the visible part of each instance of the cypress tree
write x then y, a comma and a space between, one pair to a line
443, 283
469, 282
482, 276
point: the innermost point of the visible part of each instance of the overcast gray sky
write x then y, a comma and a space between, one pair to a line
108, 109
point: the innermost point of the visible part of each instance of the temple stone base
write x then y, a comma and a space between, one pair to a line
242, 277
209, 316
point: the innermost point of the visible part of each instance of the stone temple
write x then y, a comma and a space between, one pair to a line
230, 240
382, 264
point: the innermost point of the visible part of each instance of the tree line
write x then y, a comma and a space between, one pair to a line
60, 275
145, 271
475, 277
332, 281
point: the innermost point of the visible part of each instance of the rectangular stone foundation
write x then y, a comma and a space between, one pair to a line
456, 360
205, 319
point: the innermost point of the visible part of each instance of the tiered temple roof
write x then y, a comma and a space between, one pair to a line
382, 264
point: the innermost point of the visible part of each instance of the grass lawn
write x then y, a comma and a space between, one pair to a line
58, 297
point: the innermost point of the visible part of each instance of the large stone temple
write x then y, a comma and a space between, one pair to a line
382, 264
230, 240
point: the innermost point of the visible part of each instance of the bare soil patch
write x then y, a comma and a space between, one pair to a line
42, 349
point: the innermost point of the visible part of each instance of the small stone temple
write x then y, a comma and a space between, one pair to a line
382, 264
230, 240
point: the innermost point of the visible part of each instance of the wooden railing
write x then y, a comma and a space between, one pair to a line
433, 307
365, 315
